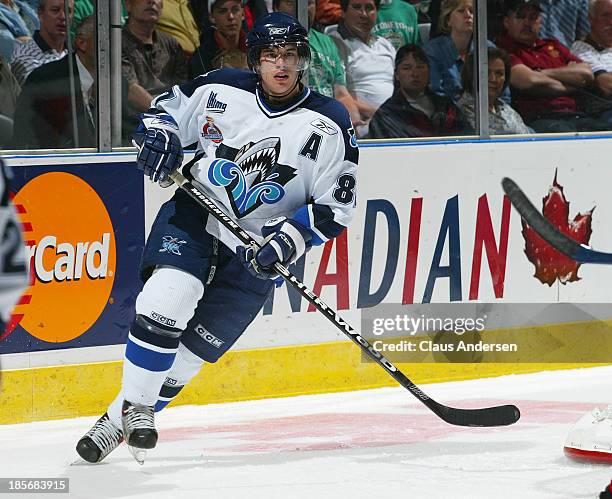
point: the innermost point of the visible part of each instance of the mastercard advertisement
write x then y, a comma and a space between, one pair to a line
84, 235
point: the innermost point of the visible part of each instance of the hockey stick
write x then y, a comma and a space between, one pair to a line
578, 252
490, 416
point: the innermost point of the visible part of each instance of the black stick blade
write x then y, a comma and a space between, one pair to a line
502, 415
537, 222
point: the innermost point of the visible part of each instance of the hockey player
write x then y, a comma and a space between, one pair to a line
590, 439
281, 160
13, 262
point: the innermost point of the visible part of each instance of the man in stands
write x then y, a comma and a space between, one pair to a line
369, 60
397, 21
177, 20
326, 73
414, 110
596, 51
152, 62
565, 20
44, 118
18, 22
545, 75
223, 43
48, 43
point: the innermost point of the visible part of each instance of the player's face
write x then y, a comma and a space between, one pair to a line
601, 22
524, 25
461, 19
360, 16
145, 10
279, 69
412, 75
227, 16
53, 17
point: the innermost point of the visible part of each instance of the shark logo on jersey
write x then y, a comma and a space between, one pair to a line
171, 245
254, 177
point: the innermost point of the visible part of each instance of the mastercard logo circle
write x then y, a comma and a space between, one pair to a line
71, 245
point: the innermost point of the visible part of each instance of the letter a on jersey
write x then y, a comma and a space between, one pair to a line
311, 148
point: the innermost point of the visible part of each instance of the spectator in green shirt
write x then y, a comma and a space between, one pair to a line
85, 8
397, 21
326, 73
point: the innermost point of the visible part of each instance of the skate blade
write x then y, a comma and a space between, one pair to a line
79, 461
138, 454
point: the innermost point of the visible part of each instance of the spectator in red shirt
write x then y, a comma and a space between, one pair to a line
545, 75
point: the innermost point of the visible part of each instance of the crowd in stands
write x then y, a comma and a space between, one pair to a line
402, 68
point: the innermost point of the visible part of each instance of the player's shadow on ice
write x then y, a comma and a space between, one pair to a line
113, 479
121, 476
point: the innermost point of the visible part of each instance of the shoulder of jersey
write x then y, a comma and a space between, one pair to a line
328, 107
235, 78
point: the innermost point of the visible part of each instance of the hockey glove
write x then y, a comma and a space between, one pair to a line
159, 148
284, 242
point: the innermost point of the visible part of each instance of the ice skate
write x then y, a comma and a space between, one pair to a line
591, 437
100, 441
139, 429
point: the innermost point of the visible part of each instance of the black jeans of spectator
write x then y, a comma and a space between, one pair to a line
567, 122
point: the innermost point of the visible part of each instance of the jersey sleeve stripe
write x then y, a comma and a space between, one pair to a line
319, 220
296, 236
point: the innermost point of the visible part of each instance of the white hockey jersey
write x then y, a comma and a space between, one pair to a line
14, 266
298, 161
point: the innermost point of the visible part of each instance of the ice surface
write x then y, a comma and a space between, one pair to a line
368, 444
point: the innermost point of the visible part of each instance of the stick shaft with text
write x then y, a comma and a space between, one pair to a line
490, 416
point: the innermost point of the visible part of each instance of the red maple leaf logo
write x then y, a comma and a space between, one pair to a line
549, 264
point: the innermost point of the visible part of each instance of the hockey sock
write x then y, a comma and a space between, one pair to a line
185, 366
163, 309
149, 355
166, 395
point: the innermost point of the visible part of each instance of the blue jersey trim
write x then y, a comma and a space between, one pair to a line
236, 78
275, 113
329, 108
319, 220
336, 112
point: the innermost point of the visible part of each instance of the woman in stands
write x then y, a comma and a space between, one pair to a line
503, 119
447, 52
